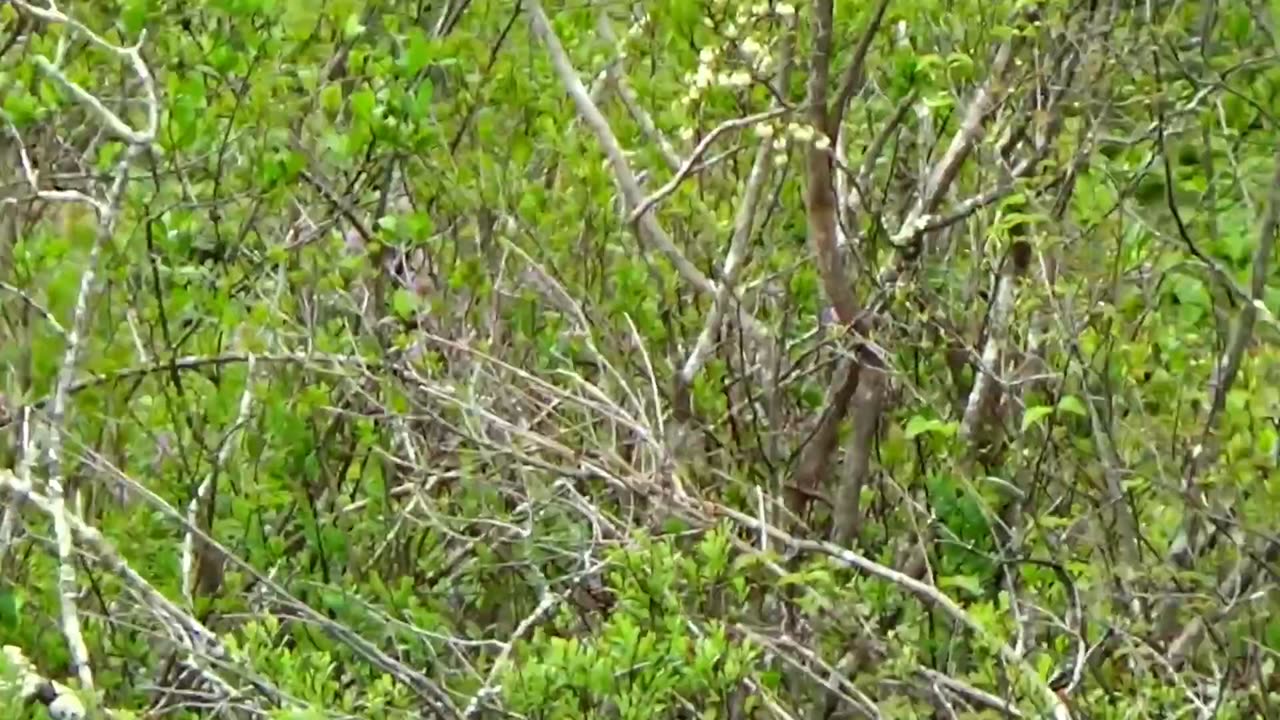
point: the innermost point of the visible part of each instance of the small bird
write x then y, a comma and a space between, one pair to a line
827, 317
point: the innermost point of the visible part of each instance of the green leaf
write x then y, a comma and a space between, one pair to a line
418, 51
422, 98
353, 27
331, 98
362, 103
1072, 404
10, 609
918, 425
967, 583
404, 303
133, 15
1034, 415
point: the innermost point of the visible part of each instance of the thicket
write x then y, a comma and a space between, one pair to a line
481, 358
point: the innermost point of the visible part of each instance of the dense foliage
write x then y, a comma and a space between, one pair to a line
680, 359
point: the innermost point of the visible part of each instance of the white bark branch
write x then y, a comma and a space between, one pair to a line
205, 490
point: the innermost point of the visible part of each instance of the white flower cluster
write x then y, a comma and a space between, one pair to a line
759, 9
706, 76
638, 27
792, 132
633, 34
752, 50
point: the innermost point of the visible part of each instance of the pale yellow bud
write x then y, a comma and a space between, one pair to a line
803, 133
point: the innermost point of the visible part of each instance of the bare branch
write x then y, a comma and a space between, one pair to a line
980, 412
1188, 545
855, 75
692, 161
962, 143
131, 54
744, 223
591, 115
927, 594
820, 200
31, 685
198, 511
615, 76
67, 585
548, 603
